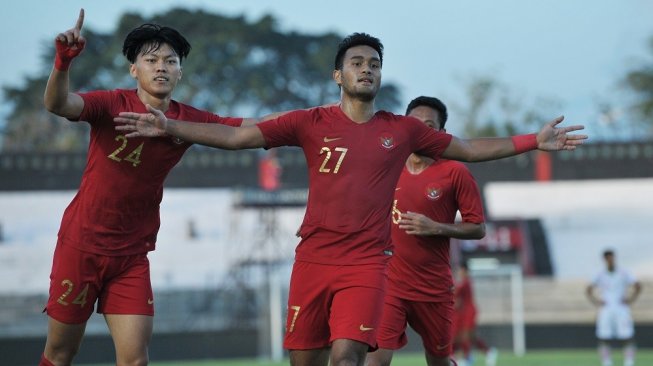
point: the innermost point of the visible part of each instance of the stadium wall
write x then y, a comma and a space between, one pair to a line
202, 167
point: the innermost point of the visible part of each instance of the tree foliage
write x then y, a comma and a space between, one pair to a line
640, 81
236, 68
494, 109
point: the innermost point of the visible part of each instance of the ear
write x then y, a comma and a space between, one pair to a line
181, 69
337, 76
132, 71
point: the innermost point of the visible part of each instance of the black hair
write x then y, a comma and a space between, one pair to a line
430, 102
357, 39
608, 252
149, 37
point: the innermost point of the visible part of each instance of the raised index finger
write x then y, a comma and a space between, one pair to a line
80, 20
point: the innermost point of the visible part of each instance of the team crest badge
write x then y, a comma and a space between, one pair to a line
387, 141
432, 192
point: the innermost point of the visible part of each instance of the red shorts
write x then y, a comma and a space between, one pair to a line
328, 302
431, 320
464, 320
120, 285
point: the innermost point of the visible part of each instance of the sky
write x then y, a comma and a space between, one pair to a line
575, 52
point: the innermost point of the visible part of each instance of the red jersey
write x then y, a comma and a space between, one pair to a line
353, 170
116, 210
420, 269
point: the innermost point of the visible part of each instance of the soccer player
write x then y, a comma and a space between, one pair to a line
354, 156
464, 324
420, 283
618, 288
112, 223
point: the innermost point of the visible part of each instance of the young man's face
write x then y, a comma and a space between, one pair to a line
360, 76
157, 71
428, 115
609, 261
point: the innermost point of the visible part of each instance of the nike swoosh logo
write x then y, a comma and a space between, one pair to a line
326, 139
396, 189
364, 328
440, 348
150, 301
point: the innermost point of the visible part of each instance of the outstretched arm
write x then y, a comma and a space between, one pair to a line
418, 224
58, 99
550, 138
155, 123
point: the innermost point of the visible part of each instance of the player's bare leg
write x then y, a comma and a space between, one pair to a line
131, 336
380, 357
345, 352
629, 352
432, 360
316, 357
63, 342
605, 353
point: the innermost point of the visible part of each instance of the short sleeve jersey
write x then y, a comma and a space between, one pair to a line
353, 169
613, 286
116, 210
419, 269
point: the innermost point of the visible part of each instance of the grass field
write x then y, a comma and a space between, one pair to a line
539, 358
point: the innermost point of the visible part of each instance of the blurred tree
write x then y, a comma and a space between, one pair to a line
493, 109
235, 68
640, 80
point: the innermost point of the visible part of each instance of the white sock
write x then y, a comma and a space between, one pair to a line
629, 354
605, 354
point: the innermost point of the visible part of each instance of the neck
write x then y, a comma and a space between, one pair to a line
357, 110
161, 104
417, 163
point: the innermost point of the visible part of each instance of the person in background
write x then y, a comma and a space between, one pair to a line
464, 327
618, 289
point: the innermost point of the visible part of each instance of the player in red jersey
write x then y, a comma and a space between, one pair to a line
354, 156
464, 325
420, 283
112, 223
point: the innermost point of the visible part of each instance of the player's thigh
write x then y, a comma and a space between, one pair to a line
313, 357
346, 352
307, 323
391, 334
380, 357
129, 291
606, 323
433, 322
131, 336
624, 323
358, 303
63, 341
75, 284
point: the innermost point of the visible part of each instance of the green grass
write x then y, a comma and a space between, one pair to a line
535, 358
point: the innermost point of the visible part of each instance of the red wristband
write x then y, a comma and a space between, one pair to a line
524, 143
61, 65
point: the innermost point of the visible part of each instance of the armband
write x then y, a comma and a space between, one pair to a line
524, 143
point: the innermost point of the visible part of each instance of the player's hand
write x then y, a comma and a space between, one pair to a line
69, 44
553, 138
151, 124
417, 224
